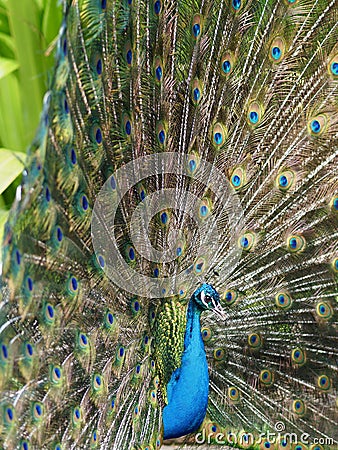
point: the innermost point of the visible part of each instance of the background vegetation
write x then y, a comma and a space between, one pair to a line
28, 33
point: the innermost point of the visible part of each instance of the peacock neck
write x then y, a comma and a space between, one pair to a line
188, 388
193, 328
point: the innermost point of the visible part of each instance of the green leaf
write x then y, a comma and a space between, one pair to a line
3, 219
25, 23
10, 167
28, 31
51, 21
4, 26
13, 134
7, 66
7, 45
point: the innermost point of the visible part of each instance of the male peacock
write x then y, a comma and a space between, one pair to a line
170, 264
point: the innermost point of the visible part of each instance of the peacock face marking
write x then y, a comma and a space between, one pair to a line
207, 299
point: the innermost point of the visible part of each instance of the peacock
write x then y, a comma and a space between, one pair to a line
170, 263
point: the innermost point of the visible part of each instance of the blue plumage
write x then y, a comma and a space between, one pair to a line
188, 388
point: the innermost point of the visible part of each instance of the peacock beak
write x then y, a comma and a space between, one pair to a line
219, 311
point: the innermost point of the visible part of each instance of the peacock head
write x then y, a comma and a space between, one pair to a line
207, 299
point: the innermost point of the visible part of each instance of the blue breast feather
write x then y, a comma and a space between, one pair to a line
188, 388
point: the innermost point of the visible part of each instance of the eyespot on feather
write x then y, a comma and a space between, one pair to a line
161, 133
236, 5
158, 69
324, 310
233, 394
196, 91
266, 377
230, 297
296, 243
128, 54
255, 113
334, 203
219, 354
227, 64
196, 26
200, 265
219, 135
299, 407
204, 209
94, 441
298, 356
127, 126
206, 334
285, 180
48, 314
247, 241
277, 50
55, 374
255, 341
157, 7
283, 300
324, 383
8, 416
76, 416
333, 67
318, 125
193, 162
238, 178
37, 411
